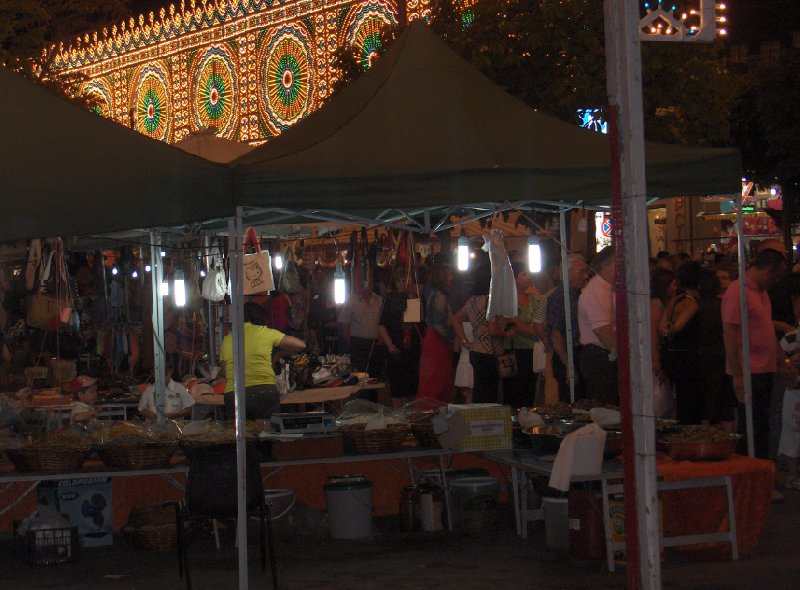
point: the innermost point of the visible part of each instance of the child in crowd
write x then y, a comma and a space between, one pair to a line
178, 401
84, 388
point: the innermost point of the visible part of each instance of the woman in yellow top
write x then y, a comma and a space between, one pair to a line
262, 345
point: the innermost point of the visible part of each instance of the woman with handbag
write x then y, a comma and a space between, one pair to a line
487, 344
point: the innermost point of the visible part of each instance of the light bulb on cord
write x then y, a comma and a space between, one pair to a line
180, 289
339, 295
135, 274
114, 270
147, 268
278, 261
534, 254
463, 251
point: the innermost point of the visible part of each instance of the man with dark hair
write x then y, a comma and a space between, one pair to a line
598, 355
766, 269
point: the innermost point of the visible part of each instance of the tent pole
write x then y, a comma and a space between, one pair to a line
748, 383
626, 134
567, 308
212, 349
237, 335
159, 360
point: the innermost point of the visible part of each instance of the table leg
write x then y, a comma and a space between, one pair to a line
732, 518
607, 525
446, 492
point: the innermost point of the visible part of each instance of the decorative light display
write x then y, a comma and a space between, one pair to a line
249, 68
214, 86
593, 119
696, 21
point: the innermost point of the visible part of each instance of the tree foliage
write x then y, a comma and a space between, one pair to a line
30, 34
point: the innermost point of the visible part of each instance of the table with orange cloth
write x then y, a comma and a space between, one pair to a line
702, 510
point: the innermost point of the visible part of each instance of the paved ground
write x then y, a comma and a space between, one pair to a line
396, 560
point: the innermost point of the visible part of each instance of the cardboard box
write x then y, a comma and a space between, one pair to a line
86, 501
474, 427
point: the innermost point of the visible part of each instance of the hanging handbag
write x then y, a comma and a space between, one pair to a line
507, 364
257, 268
215, 286
413, 312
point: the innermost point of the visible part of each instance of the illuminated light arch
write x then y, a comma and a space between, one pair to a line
286, 75
361, 29
151, 101
98, 90
214, 90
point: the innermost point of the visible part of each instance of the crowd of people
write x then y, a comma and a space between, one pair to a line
696, 340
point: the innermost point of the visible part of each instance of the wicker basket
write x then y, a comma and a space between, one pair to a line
49, 458
387, 440
422, 427
152, 527
137, 455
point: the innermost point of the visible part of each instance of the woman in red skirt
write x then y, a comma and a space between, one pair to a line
436, 357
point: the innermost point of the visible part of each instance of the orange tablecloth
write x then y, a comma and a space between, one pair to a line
704, 510
308, 481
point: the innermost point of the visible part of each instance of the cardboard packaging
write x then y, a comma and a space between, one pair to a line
474, 427
87, 503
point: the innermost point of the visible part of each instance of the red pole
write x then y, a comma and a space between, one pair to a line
632, 557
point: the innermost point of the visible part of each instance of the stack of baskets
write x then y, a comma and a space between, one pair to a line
357, 439
56, 452
422, 427
152, 527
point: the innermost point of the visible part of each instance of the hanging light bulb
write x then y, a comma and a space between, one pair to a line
135, 274
278, 261
202, 272
463, 251
534, 254
180, 289
114, 270
147, 268
163, 253
338, 284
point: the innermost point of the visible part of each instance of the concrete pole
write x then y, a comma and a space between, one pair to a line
237, 335
624, 81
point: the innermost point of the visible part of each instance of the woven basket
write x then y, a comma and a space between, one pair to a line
152, 527
137, 455
387, 440
422, 427
49, 458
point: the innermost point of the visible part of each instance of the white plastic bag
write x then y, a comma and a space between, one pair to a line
214, 285
503, 287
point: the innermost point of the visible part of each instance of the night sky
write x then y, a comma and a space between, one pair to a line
751, 21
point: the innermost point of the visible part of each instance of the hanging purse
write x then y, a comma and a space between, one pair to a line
257, 268
507, 364
215, 286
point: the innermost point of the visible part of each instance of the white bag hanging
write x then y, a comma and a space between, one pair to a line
257, 268
215, 287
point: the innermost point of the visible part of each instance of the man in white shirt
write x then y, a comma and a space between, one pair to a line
598, 355
178, 401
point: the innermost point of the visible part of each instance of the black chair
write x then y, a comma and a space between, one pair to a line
211, 493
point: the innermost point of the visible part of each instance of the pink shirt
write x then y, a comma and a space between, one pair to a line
763, 342
595, 309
